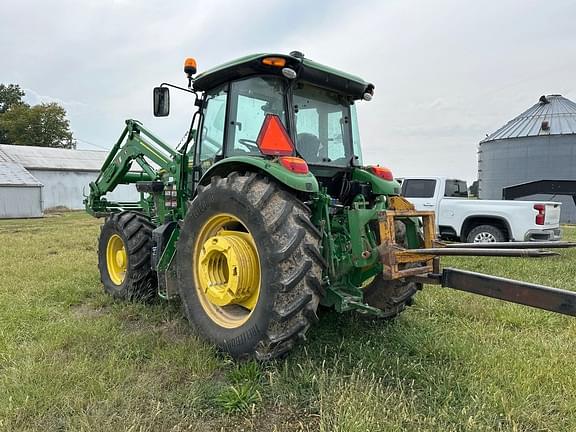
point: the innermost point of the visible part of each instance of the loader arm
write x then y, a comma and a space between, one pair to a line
161, 166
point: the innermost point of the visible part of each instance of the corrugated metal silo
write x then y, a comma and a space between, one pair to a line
539, 144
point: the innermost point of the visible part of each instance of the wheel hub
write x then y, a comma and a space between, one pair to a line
484, 237
229, 268
116, 259
121, 258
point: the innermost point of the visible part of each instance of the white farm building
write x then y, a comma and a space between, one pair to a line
33, 179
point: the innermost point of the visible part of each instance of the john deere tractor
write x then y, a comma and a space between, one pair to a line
267, 211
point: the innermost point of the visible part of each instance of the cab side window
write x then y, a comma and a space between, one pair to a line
212, 138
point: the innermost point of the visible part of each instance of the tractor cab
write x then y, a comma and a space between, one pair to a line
314, 106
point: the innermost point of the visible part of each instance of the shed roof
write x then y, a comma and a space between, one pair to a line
14, 174
552, 115
47, 158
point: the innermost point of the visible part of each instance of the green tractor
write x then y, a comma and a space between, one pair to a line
267, 211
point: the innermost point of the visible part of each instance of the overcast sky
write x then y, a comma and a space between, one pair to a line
446, 72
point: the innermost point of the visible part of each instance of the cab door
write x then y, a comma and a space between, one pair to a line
211, 143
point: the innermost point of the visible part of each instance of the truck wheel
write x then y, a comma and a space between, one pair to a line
249, 266
391, 296
485, 234
124, 252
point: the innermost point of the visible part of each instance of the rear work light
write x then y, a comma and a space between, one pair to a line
274, 61
382, 172
294, 164
273, 140
541, 213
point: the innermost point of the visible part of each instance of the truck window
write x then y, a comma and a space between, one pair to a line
456, 189
418, 188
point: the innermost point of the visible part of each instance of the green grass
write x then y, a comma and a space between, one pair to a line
71, 358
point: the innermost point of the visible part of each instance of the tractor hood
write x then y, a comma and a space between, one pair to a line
306, 70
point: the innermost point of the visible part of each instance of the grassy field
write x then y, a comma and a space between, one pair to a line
71, 358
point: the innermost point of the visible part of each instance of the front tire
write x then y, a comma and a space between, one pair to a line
124, 257
249, 219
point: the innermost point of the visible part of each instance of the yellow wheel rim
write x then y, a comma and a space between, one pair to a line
116, 259
226, 270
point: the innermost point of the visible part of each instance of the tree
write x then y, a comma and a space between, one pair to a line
10, 95
42, 125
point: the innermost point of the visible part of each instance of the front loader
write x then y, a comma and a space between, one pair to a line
267, 210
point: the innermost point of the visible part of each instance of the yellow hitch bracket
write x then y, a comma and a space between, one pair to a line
394, 257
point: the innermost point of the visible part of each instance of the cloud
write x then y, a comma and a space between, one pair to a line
33, 98
446, 72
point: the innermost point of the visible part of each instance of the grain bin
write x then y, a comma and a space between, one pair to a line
539, 144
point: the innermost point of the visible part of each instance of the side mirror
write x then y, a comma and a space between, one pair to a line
161, 101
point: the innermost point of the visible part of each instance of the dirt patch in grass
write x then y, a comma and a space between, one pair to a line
56, 210
174, 329
86, 310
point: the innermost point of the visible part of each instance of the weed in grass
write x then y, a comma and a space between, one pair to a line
239, 398
245, 372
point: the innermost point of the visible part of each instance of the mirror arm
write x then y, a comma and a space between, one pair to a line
184, 148
194, 92
179, 88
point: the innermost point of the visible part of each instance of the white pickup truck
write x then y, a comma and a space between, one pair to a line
472, 220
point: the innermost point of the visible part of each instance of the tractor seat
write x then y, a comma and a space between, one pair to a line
308, 146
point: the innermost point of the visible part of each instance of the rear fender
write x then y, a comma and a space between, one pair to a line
379, 185
270, 168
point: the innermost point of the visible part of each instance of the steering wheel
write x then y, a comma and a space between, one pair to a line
251, 145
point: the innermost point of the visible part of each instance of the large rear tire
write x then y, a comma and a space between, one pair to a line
249, 266
391, 296
124, 257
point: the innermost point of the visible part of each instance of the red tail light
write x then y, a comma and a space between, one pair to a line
294, 164
541, 213
382, 172
273, 140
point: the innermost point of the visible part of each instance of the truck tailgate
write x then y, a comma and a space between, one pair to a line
552, 214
